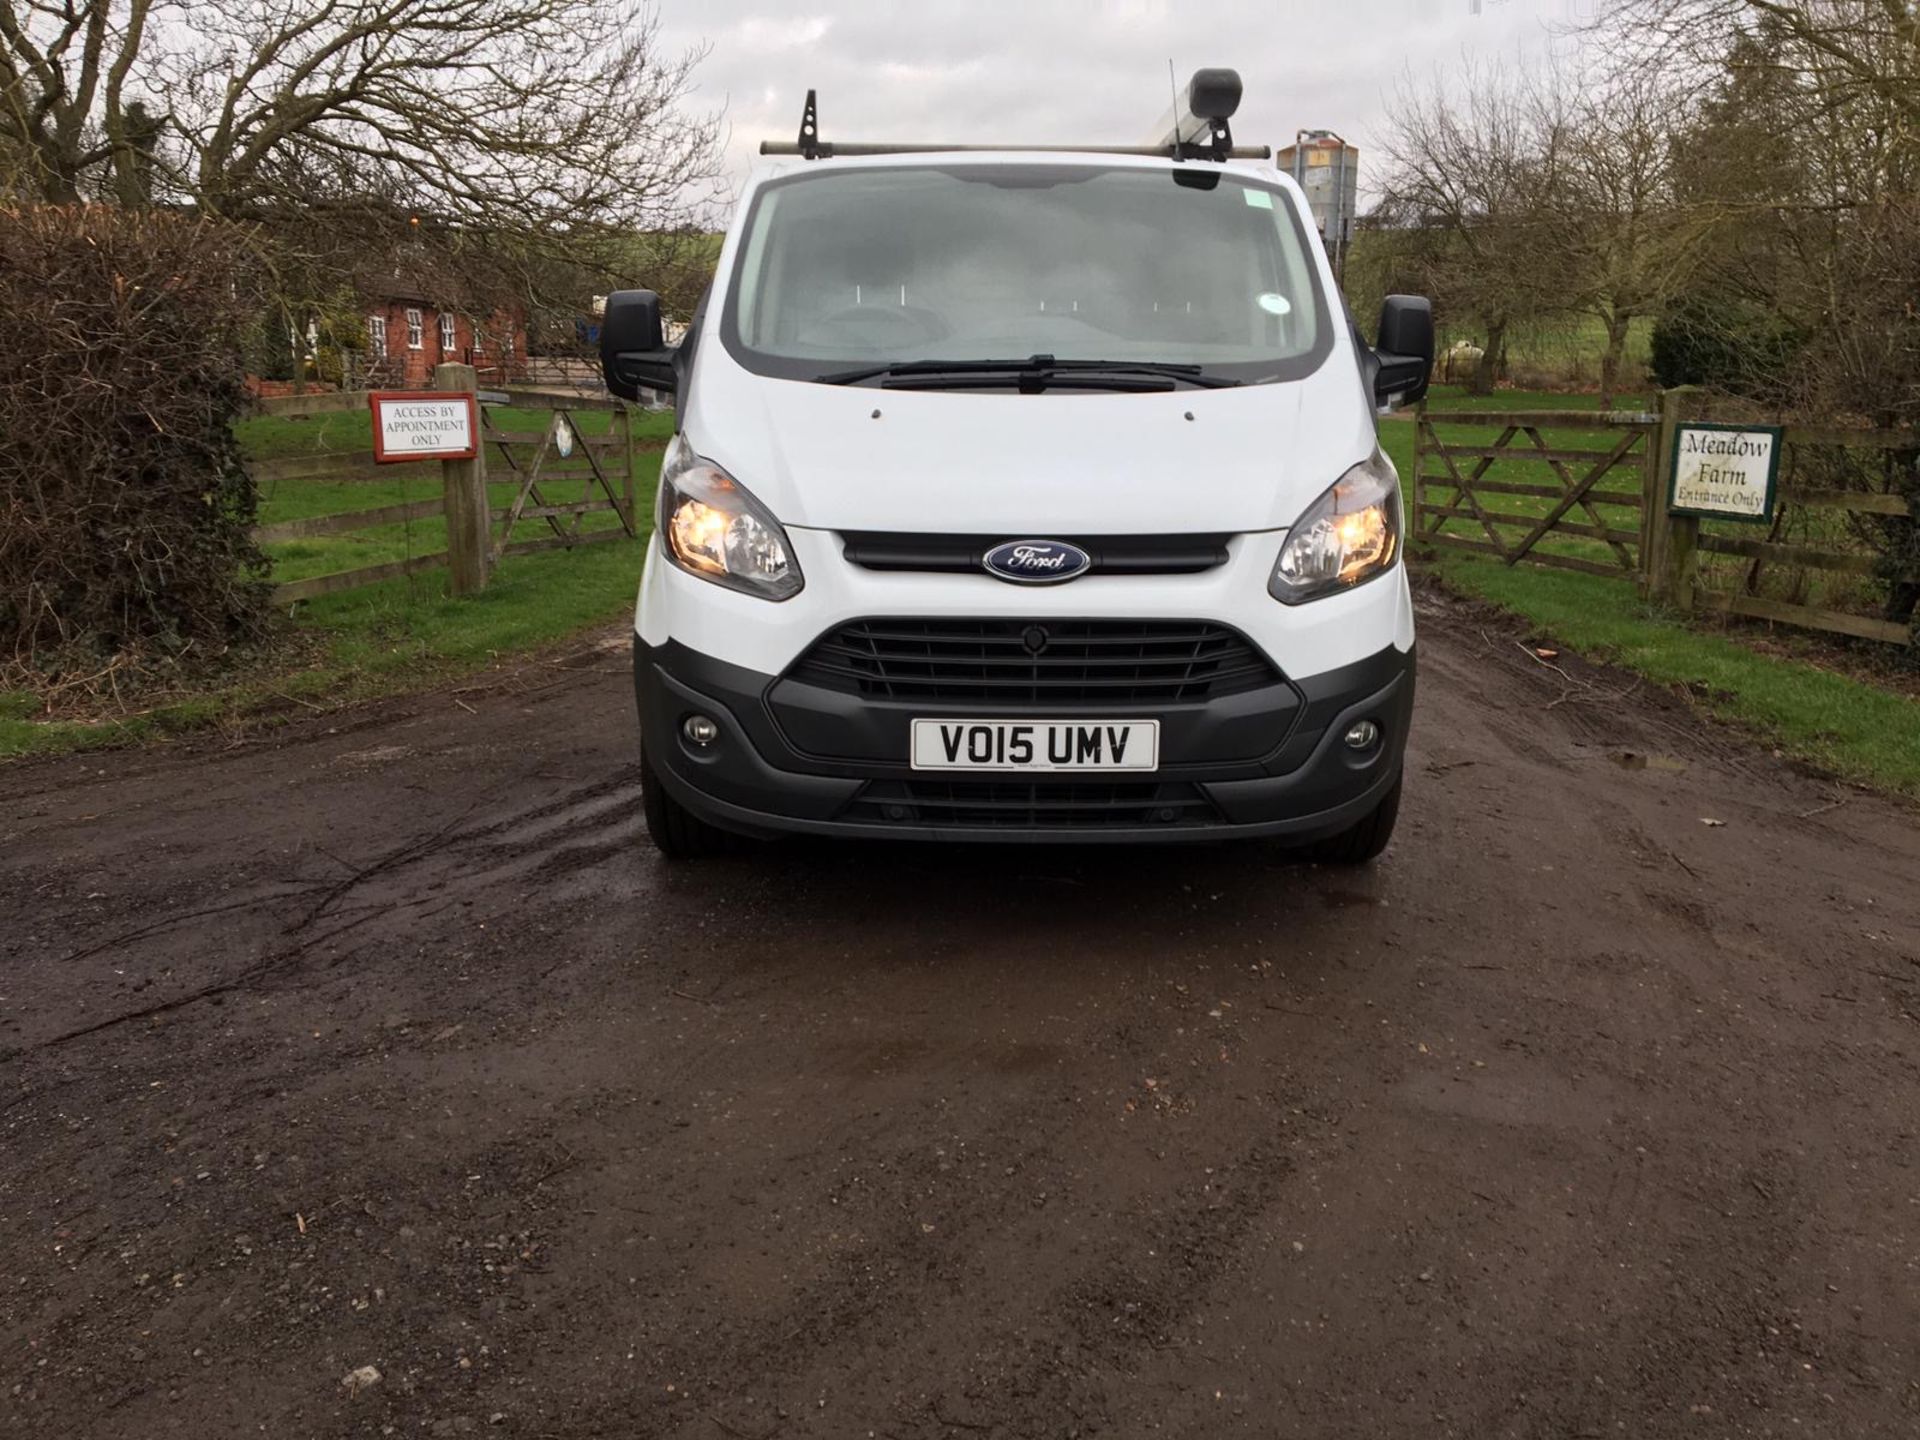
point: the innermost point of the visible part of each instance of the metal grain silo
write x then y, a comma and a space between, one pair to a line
1328, 169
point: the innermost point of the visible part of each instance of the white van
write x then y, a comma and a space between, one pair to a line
1024, 495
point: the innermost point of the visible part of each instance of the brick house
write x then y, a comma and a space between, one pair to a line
408, 334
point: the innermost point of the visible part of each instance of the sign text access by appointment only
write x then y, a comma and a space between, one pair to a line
423, 425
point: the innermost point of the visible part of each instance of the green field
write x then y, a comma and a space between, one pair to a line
1562, 352
1566, 352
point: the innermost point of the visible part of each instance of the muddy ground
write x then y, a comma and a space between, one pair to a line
385, 1043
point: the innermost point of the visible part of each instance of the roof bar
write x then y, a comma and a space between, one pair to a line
863, 147
1195, 129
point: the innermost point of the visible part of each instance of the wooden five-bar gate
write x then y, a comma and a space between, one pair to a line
1587, 491
1595, 492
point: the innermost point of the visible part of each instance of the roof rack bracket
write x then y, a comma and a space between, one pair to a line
809, 143
1218, 144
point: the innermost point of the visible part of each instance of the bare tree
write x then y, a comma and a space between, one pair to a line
1860, 48
1807, 150
542, 119
1627, 243
1471, 170
63, 72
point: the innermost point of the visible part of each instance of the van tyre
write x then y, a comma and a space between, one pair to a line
1361, 842
676, 832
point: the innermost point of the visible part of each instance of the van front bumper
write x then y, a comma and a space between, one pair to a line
754, 780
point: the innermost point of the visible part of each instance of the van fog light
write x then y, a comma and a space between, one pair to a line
1362, 735
700, 729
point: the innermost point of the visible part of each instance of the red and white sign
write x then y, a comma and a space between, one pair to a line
423, 425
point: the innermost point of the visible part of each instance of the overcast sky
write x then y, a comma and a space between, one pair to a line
1079, 71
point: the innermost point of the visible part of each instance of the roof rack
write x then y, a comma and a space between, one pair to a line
1196, 129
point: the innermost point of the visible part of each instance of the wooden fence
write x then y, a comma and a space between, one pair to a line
479, 533
1684, 573
1534, 496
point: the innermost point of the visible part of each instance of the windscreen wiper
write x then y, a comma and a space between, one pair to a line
1033, 372
1183, 374
1030, 382
931, 367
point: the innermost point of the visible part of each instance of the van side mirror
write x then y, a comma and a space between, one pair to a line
633, 349
1404, 350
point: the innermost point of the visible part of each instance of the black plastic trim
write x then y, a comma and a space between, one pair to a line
751, 780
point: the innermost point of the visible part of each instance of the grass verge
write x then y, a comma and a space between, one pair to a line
381, 639
1856, 730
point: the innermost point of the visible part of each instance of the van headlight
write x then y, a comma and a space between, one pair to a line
712, 527
1347, 536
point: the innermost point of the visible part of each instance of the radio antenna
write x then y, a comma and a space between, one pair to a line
1173, 85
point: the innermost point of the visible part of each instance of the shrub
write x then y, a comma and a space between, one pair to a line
1725, 343
124, 511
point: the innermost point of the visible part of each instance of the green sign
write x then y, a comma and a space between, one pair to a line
1725, 472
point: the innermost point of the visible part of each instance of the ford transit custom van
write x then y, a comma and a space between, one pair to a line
1024, 495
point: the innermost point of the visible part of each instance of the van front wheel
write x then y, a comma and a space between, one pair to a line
677, 833
1361, 842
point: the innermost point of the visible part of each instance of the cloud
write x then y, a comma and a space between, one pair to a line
1079, 71
761, 34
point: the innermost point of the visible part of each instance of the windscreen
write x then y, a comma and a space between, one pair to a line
1185, 266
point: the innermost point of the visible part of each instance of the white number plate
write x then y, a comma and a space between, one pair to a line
1036, 745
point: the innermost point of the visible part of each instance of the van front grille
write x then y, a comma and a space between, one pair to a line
1084, 663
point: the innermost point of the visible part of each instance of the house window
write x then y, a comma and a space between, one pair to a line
479, 338
416, 333
446, 334
377, 335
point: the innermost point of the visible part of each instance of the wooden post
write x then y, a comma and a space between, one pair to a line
623, 417
469, 517
1670, 556
1419, 486
1683, 558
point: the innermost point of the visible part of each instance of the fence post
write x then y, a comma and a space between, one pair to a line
469, 517
1418, 485
1671, 553
624, 418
